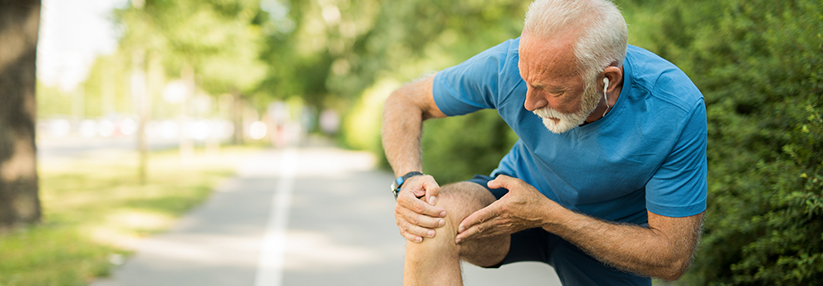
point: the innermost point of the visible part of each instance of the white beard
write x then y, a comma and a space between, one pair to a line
568, 121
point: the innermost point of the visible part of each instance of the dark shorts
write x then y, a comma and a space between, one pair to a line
573, 266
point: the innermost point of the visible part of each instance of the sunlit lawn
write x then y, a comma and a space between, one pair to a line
94, 211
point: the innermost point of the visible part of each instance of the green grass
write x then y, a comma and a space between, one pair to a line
95, 210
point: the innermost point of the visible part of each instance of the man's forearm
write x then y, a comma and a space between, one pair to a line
640, 250
402, 126
403, 116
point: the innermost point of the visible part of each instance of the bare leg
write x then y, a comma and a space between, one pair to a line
436, 261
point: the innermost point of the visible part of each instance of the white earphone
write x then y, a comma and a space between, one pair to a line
605, 87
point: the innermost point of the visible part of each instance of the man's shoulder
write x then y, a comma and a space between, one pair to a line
500, 59
660, 79
482, 81
647, 67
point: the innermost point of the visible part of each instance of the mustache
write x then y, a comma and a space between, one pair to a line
548, 112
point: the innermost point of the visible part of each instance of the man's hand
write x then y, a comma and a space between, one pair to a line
523, 207
415, 217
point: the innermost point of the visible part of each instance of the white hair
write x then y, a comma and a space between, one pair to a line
603, 34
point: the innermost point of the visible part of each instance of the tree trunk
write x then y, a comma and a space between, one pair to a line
186, 145
139, 92
19, 202
237, 117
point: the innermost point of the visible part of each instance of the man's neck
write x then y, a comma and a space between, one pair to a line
605, 106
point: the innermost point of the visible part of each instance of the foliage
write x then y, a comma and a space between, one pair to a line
363, 124
94, 211
459, 147
226, 58
759, 66
51, 101
406, 39
107, 87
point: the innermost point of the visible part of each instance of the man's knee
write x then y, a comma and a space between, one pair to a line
459, 200
462, 199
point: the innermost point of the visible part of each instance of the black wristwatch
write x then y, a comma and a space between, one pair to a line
395, 186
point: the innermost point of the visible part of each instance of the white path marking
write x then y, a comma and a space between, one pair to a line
270, 265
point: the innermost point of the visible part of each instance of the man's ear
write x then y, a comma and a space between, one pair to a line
615, 76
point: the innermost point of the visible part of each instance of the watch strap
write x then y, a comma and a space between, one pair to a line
398, 182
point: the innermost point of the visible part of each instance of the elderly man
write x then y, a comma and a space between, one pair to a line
612, 193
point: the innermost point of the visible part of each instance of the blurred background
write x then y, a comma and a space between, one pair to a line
152, 100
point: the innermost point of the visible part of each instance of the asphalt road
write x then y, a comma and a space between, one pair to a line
309, 216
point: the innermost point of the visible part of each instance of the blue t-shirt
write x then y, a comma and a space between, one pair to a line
647, 153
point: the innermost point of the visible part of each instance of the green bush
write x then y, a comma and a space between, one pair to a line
760, 66
456, 148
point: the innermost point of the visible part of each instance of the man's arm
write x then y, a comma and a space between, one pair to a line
403, 116
663, 250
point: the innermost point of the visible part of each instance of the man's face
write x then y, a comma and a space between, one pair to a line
559, 122
557, 92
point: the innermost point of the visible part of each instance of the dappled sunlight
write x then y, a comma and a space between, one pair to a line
202, 249
94, 193
140, 220
113, 236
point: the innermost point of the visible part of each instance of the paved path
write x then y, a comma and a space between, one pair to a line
312, 216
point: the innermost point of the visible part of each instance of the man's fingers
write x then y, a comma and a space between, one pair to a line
502, 181
417, 192
421, 207
410, 237
424, 187
417, 231
430, 222
407, 197
467, 233
421, 220
480, 216
432, 190
476, 231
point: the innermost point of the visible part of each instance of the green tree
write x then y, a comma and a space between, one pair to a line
226, 59
106, 89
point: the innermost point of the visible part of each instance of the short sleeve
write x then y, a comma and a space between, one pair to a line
678, 188
473, 84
